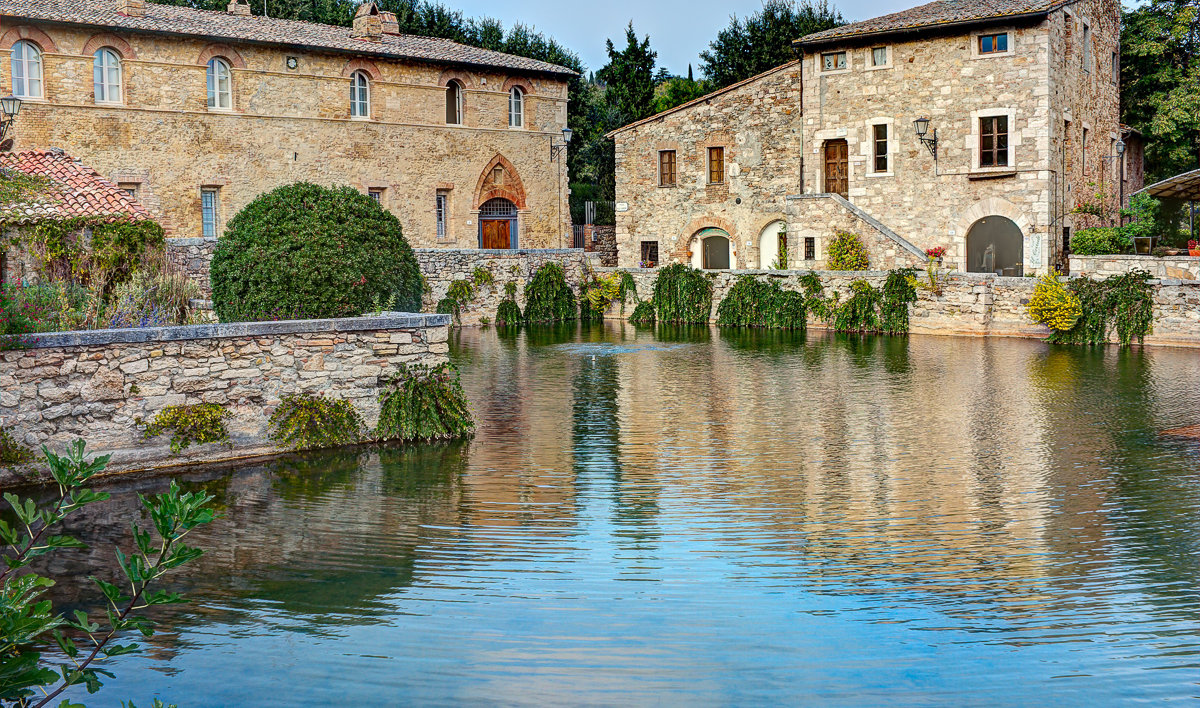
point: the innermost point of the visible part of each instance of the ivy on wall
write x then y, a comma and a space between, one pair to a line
643, 313
509, 314
89, 250
899, 292
1124, 302
423, 403
308, 421
859, 313
548, 298
682, 295
870, 309
189, 425
754, 303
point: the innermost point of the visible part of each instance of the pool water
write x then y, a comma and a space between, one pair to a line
702, 516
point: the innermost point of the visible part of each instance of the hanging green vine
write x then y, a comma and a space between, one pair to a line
898, 293
627, 288
548, 298
461, 291
62, 252
643, 313
509, 314
449, 306
482, 276
1124, 302
420, 403
13, 452
754, 303
814, 294
859, 312
189, 425
682, 295
308, 421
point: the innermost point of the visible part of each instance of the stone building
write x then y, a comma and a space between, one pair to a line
1021, 102
197, 112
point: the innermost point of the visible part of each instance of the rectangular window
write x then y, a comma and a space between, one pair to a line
993, 141
130, 188
649, 254
1116, 68
881, 148
666, 168
442, 201
210, 203
993, 43
879, 56
810, 248
833, 61
716, 165
376, 195
1087, 47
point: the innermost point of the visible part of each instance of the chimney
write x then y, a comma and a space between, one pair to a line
367, 23
390, 24
132, 8
239, 7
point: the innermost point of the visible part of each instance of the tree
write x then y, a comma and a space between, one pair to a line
629, 77
676, 92
762, 41
1160, 82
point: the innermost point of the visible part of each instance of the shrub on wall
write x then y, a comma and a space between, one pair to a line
899, 291
859, 312
11, 451
1053, 304
509, 314
643, 313
308, 421
420, 403
682, 295
197, 424
847, 252
1098, 241
305, 251
548, 298
754, 303
1125, 302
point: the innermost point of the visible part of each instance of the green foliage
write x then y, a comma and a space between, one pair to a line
1053, 304
677, 91
420, 403
481, 276
1142, 212
629, 77
898, 293
11, 451
89, 250
509, 314
627, 288
308, 421
197, 424
548, 298
814, 294
18, 189
448, 306
303, 251
643, 313
859, 313
28, 621
602, 291
755, 303
682, 295
1125, 302
847, 252
153, 297
762, 41
510, 289
461, 291
1100, 240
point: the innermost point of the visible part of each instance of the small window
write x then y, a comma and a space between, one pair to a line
106, 76
1083, 159
1087, 47
440, 208
210, 205
993, 141
993, 43
666, 168
130, 188
516, 108
26, 70
881, 148
833, 61
716, 165
1116, 68
810, 248
220, 84
879, 56
649, 254
360, 95
454, 103
376, 195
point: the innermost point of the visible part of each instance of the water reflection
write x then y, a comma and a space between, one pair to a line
804, 518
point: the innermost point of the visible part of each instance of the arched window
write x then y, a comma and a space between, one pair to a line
516, 107
454, 103
360, 95
26, 70
220, 84
106, 76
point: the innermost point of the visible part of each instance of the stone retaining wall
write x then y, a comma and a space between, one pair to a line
96, 384
441, 267
970, 303
1174, 267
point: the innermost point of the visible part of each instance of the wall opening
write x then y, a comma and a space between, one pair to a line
498, 224
771, 242
995, 245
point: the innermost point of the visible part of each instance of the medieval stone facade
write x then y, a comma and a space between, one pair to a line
1013, 93
432, 129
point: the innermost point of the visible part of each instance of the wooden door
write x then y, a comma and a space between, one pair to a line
837, 167
496, 233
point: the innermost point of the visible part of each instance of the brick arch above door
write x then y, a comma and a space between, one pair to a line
510, 186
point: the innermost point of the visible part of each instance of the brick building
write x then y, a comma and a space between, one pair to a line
1021, 95
197, 112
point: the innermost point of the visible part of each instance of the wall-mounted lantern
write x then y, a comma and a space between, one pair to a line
922, 127
10, 106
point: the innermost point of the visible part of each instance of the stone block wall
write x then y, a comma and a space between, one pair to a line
1171, 267
95, 385
194, 257
442, 267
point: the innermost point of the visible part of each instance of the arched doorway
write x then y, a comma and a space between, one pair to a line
498, 224
771, 242
712, 250
995, 245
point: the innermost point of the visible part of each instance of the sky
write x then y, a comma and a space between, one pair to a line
679, 29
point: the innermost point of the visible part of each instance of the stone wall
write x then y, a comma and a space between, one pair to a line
95, 385
194, 257
601, 240
294, 124
1174, 267
442, 267
970, 303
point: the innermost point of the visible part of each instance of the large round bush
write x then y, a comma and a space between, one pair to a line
305, 252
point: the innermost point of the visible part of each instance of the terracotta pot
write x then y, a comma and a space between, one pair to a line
1195, 252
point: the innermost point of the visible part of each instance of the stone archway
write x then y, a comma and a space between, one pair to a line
499, 180
995, 206
712, 249
995, 244
770, 245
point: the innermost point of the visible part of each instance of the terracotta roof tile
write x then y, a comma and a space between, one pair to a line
944, 12
75, 190
229, 27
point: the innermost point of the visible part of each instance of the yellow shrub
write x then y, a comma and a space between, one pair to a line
1053, 305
